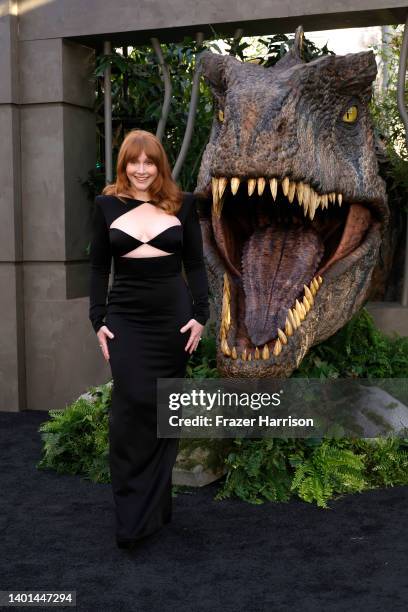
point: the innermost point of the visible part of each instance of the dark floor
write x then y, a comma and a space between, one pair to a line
57, 533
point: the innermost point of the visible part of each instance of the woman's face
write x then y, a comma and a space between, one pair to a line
141, 172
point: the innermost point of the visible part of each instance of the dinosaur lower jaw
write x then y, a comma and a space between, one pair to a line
276, 261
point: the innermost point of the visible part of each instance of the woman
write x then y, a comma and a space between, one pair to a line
150, 325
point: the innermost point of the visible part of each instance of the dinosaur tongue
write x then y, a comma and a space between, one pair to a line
276, 263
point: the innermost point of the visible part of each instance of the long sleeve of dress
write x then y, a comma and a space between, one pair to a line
100, 265
194, 265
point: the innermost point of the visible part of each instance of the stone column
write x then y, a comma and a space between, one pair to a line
12, 344
49, 354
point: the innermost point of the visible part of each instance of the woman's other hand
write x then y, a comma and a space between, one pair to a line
103, 334
195, 334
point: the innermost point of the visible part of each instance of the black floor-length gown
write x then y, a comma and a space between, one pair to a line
149, 301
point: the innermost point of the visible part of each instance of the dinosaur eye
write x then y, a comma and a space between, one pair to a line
350, 116
221, 115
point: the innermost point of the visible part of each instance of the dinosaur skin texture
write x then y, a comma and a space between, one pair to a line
296, 208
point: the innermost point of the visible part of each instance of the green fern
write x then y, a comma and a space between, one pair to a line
257, 470
327, 471
388, 462
75, 440
359, 349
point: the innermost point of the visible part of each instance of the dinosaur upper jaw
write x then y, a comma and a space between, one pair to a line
293, 263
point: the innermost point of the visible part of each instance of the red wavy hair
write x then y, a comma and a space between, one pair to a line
164, 191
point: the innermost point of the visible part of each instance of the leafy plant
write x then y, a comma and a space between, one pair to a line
75, 439
327, 471
386, 461
276, 46
357, 350
257, 470
315, 470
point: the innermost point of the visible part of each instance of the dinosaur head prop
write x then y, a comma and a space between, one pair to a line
298, 207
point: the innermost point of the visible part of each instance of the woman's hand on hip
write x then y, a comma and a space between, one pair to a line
104, 333
195, 334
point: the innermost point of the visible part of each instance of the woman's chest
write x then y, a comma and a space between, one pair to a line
141, 231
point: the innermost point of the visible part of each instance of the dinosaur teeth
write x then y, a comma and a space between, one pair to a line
309, 199
312, 203
251, 186
291, 191
226, 309
285, 186
222, 183
225, 348
217, 201
296, 315
315, 285
312, 288
308, 295
214, 185
306, 197
235, 181
261, 185
225, 315
299, 192
306, 304
292, 319
273, 184
215, 194
277, 348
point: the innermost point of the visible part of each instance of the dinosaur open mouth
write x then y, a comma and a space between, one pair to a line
278, 239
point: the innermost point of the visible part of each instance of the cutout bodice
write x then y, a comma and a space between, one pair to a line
138, 217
